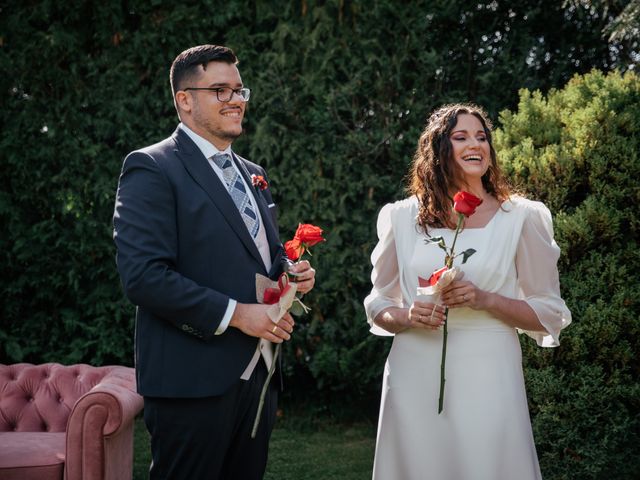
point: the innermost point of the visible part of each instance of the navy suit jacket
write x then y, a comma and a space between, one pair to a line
182, 251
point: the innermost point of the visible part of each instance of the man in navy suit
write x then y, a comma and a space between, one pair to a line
192, 230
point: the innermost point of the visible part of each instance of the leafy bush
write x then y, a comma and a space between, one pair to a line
576, 149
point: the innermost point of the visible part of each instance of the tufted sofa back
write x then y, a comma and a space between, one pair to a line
39, 398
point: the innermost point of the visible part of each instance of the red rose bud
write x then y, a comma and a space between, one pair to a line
435, 276
293, 249
422, 282
309, 234
466, 203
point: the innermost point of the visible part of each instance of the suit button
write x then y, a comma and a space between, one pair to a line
185, 327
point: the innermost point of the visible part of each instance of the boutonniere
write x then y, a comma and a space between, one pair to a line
259, 181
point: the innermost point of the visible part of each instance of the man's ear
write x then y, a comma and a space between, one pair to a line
183, 101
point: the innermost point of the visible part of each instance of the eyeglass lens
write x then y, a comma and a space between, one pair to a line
226, 93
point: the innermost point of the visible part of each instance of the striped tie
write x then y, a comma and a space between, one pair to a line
238, 193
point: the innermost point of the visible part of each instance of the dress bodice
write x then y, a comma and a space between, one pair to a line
515, 257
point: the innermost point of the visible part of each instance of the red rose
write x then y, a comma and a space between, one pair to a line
435, 276
466, 203
308, 234
293, 249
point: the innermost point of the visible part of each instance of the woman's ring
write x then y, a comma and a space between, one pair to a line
274, 329
464, 297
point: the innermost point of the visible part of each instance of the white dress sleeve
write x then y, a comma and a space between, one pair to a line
536, 264
385, 276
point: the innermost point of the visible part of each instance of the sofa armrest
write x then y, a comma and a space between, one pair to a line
99, 442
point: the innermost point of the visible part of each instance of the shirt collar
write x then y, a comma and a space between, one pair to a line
207, 148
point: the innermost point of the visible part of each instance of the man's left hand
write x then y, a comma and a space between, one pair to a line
304, 276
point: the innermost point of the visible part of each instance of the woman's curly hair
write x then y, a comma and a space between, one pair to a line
435, 176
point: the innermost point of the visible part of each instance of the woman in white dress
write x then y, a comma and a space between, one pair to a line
510, 285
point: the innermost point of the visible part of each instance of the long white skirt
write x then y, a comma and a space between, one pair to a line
484, 431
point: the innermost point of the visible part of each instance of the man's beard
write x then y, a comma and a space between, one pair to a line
207, 125
227, 135
222, 134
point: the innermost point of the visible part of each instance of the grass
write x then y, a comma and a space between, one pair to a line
141, 450
331, 451
300, 448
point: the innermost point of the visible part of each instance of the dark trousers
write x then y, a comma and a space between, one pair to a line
210, 438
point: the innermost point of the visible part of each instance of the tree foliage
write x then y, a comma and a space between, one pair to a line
340, 92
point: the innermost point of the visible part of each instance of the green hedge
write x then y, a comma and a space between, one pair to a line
576, 149
341, 90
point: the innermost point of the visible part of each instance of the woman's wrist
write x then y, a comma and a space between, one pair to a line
488, 301
393, 319
405, 322
512, 311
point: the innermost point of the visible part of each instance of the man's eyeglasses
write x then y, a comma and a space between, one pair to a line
225, 94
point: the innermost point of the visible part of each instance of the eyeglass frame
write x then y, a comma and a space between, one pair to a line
236, 91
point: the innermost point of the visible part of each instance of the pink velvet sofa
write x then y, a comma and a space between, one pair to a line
67, 422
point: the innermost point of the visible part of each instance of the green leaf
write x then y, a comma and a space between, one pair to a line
434, 240
296, 309
439, 241
466, 254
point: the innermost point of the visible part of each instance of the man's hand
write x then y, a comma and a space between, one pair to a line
304, 275
253, 320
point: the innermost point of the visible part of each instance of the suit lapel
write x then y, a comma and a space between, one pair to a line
200, 170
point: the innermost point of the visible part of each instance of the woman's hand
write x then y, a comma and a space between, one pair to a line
426, 315
462, 293
511, 311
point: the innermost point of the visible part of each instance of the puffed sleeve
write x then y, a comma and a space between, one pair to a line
536, 263
385, 275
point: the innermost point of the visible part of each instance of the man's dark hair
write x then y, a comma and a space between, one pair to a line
186, 65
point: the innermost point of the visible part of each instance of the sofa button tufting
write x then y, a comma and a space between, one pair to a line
24, 385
